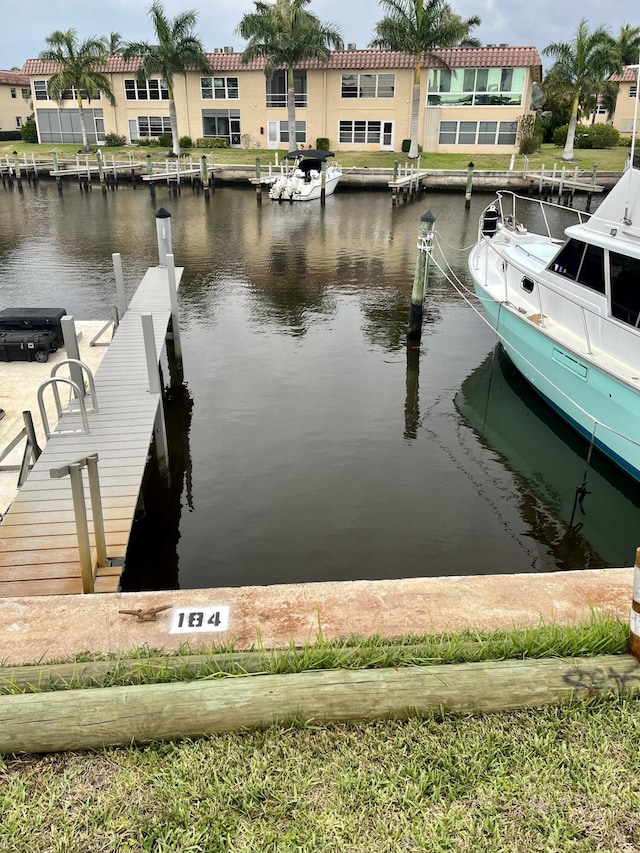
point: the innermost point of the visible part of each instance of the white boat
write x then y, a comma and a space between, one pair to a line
304, 179
567, 311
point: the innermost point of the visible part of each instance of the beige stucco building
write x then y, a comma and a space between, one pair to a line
627, 82
358, 100
15, 100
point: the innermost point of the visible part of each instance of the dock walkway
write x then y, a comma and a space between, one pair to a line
39, 552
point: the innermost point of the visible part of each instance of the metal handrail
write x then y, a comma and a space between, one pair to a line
74, 471
74, 362
43, 413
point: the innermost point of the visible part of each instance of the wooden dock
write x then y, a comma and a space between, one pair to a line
39, 553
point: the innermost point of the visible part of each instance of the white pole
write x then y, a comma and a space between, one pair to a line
122, 297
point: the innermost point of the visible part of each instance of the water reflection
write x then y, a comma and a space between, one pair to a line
305, 443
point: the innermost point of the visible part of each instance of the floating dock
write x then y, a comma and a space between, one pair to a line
45, 546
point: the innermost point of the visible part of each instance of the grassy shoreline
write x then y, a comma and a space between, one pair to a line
609, 159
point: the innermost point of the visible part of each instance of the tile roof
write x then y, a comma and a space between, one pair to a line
627, 75
14, 78
493, 56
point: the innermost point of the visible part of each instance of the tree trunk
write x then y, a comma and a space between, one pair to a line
567, 154
173, 118
415, 112
83, 126
291, 110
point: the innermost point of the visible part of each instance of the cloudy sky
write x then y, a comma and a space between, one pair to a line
26, 23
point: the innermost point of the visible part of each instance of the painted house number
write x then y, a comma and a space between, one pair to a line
189, 619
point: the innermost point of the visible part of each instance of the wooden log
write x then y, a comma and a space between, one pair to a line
95, 718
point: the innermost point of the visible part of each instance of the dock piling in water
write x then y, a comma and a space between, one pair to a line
469, 187
421, 274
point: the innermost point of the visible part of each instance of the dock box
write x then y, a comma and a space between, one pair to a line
33, 320
27, 346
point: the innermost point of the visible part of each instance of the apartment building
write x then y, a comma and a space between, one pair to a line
15, 100
627, 82
358, 99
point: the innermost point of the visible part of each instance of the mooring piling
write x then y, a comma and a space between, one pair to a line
634, 635
421, 274
163, 231
469, 187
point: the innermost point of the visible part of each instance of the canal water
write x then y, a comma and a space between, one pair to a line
305, 445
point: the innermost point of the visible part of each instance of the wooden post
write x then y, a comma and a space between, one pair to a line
103, 183
423, 256
258, 180
16, 162
122, 297
634, 637
467, 194
175, 318
323, 182
68, 326
163, 230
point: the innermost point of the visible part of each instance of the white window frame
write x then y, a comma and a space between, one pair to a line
361, 90
135, 91
219, 88
361, 132
165, 121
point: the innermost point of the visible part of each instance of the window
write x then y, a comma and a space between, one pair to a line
476, 86
283, 131
40, 89
219, 87
13, 92
277, 89
18, 121
625, 295
632, 91
368, 85
72, 95
149, 126
360, 131
26, 94
581, 262
149, 90
222, 123
478, 133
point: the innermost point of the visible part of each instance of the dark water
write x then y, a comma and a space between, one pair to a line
304, 446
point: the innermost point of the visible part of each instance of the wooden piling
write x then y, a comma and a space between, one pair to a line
469, 187
100, 717
423, 256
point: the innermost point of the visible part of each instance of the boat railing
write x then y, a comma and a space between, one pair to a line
511, 211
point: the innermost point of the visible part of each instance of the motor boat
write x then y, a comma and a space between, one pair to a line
303, 179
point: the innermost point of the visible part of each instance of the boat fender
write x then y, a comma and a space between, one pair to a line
490, 221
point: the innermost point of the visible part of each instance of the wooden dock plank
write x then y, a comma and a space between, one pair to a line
38, 539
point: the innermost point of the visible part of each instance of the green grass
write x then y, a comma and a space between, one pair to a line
609, 159
599, 636
561, 779
557, 779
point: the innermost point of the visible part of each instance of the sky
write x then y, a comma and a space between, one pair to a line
26, 23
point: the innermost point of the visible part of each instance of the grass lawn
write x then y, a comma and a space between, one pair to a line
560, 779
606, 159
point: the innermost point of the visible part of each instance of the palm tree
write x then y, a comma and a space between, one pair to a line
580, 70
284, 34
78, 69
177, 50
628, 44
114, 44
419, 27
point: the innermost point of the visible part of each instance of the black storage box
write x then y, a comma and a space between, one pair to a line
27, 346
33, 320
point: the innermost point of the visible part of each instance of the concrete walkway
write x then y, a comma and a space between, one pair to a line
43, 629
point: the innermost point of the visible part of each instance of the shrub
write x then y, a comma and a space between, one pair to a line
144, 141
529, 134
603, 136
322, 143
247, 141
406, 145
588, 136
186, 142
29, 131
165, 140
114, 140
212, 142
10, 135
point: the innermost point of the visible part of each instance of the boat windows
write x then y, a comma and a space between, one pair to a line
527, 285
625, 288
581, 262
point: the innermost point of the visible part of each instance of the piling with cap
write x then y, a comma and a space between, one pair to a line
421, 274
163, 230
